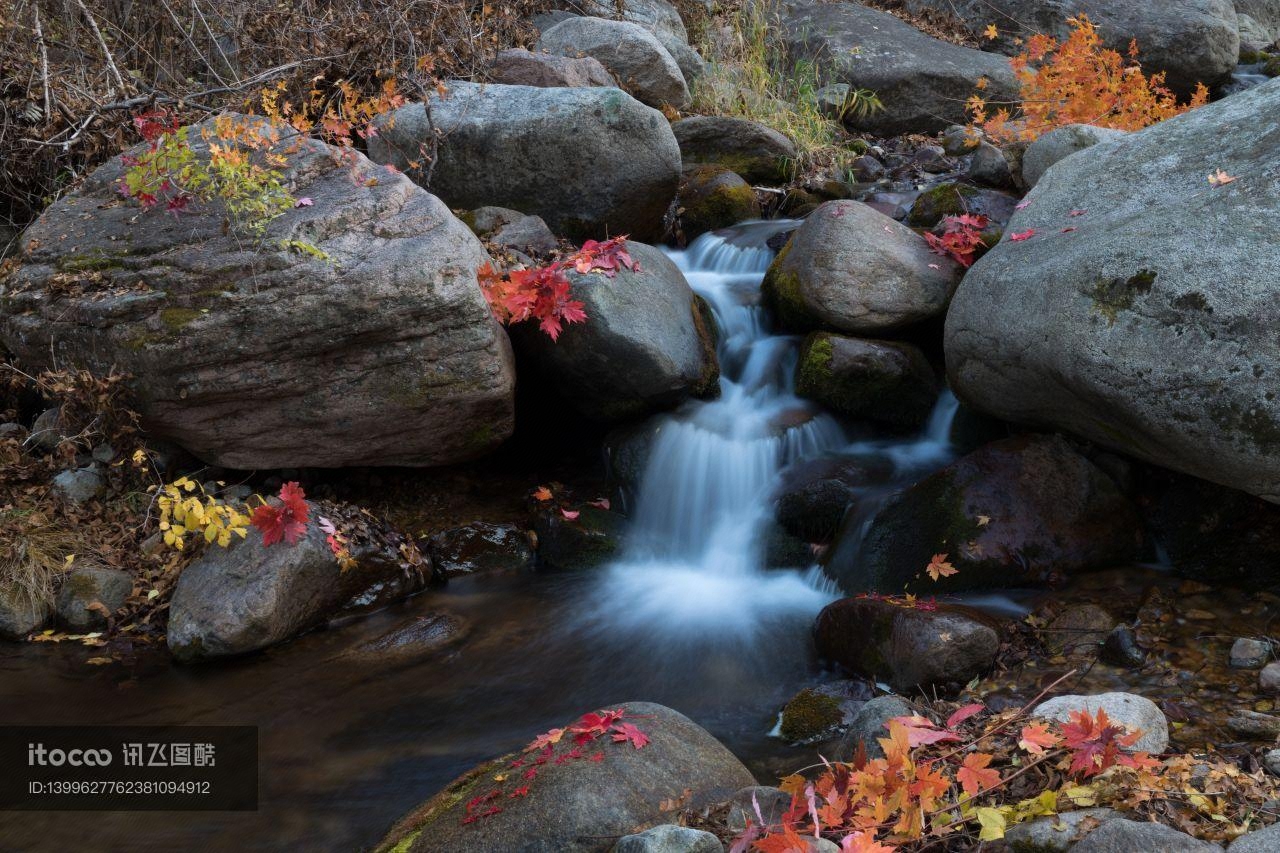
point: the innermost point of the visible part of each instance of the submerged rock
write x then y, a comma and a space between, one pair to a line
644, 346
921, 82
372, 347
852, 269
1250, 653
760, 154
1014, 513
578, 805
908, 647
1145, 329
480, 547
249, 596
630, 52
591, 162
89, 595
1135, 713
814, 495
713, 197
1080, 630
882, 381
420, 637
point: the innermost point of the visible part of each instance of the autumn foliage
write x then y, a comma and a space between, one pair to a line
961, 239
1078, 81
543, 293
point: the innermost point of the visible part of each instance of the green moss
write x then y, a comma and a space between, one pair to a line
1193, 301
141, 340
711, 198
1271, 67
1119, 294
704, 323
951, 199
810, 716
96, 262
1259, 425
814, 373
175, 319
782, 294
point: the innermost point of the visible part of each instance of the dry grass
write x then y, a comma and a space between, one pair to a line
751, 77
33, 555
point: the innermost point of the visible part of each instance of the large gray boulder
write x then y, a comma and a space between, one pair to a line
658, 17
630, 52
1192, 41
758, 153
1059, 144
591, 162
1264, 13
922, 82
576, 804
643, 347
850, 268
1259, 841
253, 353
1146, 329
1119, 835
248, 596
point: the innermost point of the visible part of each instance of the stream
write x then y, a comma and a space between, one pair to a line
688, 617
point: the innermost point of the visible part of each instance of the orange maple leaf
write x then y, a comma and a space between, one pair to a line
542, 494
1036, 738
939, 567
974, 775
991, 33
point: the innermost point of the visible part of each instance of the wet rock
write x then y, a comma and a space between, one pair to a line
1191, 41
922, 82
931, 158
909, 648
1249, 653
1269, 679
810, 716
1135, 713
591, 162
954, 198
869, 725
1059, 144
579, 806
520, 67
669, 838
895, 205
1130, 836
196, 315
883, 381
988, 166
480, 547
513, 230
627, 450
1056, 833
760, 154
1143, 338
1015, 512
851, 269
814, 495
420, 637
782, 550
590, 540
249, 596
713, 197
1259, 841
1121, 649
79, 485
644, 347
89, 595
21, 613
1254, 725
631, 53
772, 803
1079, 629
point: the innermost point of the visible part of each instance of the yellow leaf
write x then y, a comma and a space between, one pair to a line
992, 823
991, 32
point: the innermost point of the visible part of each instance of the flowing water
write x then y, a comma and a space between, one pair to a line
688, 617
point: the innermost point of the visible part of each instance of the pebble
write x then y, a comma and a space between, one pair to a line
1269, 679
1249, 653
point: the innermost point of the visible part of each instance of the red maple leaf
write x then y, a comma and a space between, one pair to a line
1020, 236
974, 775
1036, 738
628, 733
288, 521
607, 257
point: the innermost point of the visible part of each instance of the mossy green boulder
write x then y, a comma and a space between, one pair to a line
714, 197
810, 716
955, 198
887, 382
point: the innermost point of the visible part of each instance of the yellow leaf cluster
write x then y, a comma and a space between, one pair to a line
186, 508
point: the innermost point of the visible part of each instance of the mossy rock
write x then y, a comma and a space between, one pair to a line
713, 197
1271, 67
589, 540
954, 199
882, 381
810, 716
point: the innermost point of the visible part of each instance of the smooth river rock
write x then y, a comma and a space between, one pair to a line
631, 53
1146, 329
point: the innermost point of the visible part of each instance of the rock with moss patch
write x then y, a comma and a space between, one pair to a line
883, 381
584, 537
713, 197
851, 269
910, 648
1146, 328
1018, 512
810, 716
644, 346
578, 805
758, 153
954, 198
90, 595
374, 346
